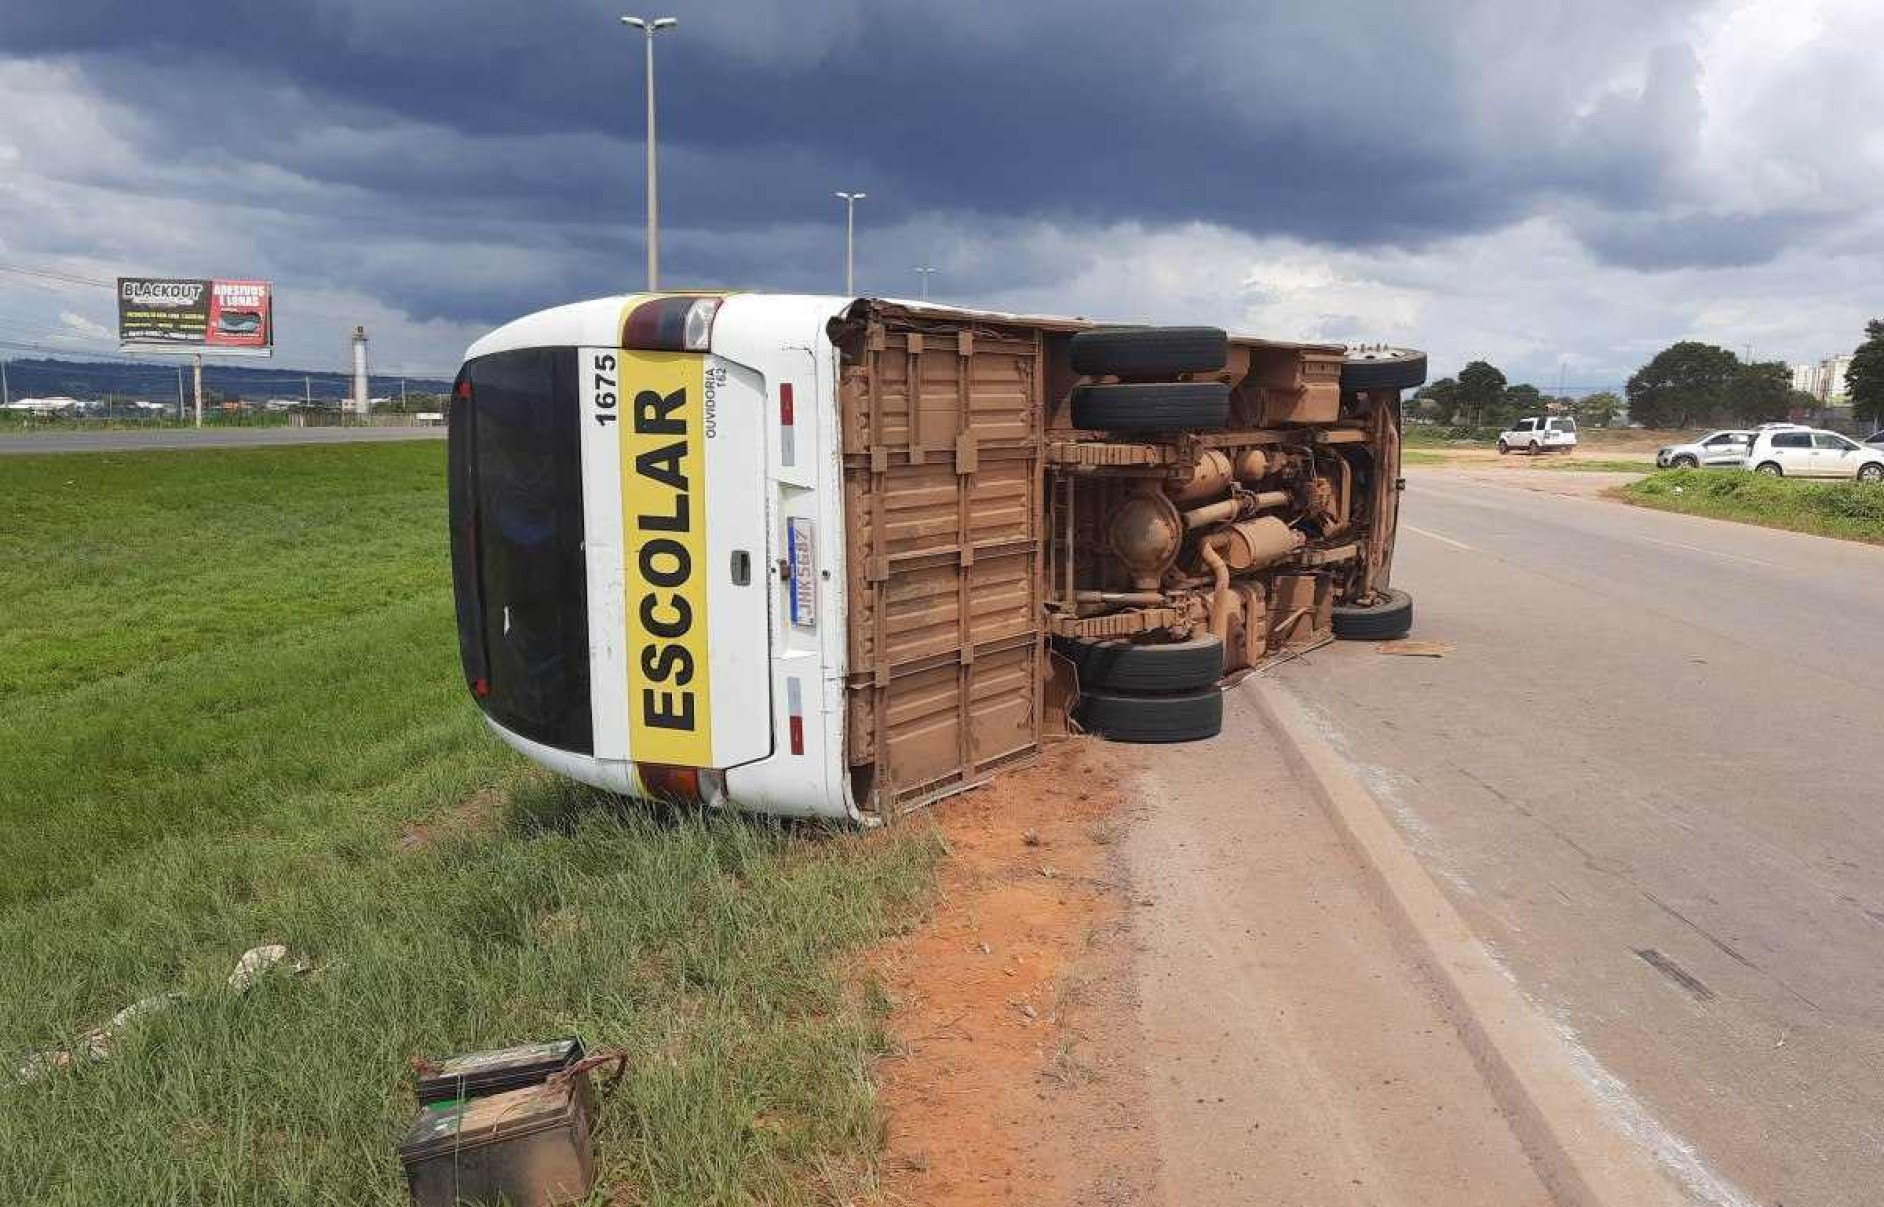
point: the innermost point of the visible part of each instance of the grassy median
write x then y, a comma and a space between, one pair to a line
230, 714
1850, 510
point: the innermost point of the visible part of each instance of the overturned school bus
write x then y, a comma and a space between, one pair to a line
836, 557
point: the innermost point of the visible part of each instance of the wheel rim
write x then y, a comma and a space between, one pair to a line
1771, 471
1871, 473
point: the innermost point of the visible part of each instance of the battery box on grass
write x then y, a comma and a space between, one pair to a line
508, 1126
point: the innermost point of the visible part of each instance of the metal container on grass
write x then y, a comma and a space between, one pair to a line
522, 1148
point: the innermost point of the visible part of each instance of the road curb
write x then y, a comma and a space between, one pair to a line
1574, 1143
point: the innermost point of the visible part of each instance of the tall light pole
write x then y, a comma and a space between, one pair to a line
850, 240
924, 271
649, 29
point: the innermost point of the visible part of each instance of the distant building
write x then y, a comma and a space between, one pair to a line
44, 406
1825, 380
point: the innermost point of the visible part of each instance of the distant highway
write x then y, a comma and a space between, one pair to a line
228, 437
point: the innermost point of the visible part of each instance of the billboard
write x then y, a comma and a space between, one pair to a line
164, 314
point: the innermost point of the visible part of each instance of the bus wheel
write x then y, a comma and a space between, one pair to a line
1175, 717
1386, 620
1151, 406
1173, 666
1149, 351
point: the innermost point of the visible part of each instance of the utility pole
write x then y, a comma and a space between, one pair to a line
179, 393
198, 358
850, 240
924, 272
6, 391
648, 30
402, 394
307, 392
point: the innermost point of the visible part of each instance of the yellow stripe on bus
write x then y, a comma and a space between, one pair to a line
663, 491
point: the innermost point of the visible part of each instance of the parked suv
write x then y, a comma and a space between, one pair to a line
1724, 448
1812, 453
1540, 434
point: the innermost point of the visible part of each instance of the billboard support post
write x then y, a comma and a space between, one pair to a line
198, 359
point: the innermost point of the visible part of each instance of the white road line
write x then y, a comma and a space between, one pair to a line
1732, 557
1445, 540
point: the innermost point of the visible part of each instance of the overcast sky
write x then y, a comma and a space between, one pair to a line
1561, 185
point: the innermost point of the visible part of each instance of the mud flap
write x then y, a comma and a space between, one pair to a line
1059, 696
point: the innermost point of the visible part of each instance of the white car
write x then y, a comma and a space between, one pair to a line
1875, 440
1540, 434
1813, 453
1719, 449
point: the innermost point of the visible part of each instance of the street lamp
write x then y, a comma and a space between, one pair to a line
850, 240
924, 272
650, 28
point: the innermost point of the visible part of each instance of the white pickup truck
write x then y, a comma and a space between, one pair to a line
1540, 434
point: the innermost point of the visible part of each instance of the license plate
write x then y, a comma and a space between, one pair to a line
801, 553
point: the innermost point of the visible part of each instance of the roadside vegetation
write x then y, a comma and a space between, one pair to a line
31, 425
1596, 465
230, 714
1851, 510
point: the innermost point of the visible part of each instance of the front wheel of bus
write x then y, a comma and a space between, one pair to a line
1375, 367
1388, 618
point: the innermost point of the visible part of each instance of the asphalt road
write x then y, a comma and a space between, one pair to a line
1651, 774
229, 437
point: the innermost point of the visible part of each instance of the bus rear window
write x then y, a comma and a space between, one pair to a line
517, 544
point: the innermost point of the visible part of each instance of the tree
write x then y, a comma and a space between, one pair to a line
1687, 383
1598, 410
1439, 401
1517, 402
1481, 389
1864, 380
1760, 392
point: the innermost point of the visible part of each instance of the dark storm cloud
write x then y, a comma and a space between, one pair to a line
1322, 167
1349, 123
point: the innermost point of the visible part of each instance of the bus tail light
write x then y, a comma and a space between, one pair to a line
681, 323
684, 785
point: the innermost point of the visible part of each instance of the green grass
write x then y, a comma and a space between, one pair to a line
1851, 510
1430, 436
1416, 456
230, 714
60, 425
1597, 465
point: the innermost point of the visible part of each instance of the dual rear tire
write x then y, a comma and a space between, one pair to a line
1135, 354
1144, 692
